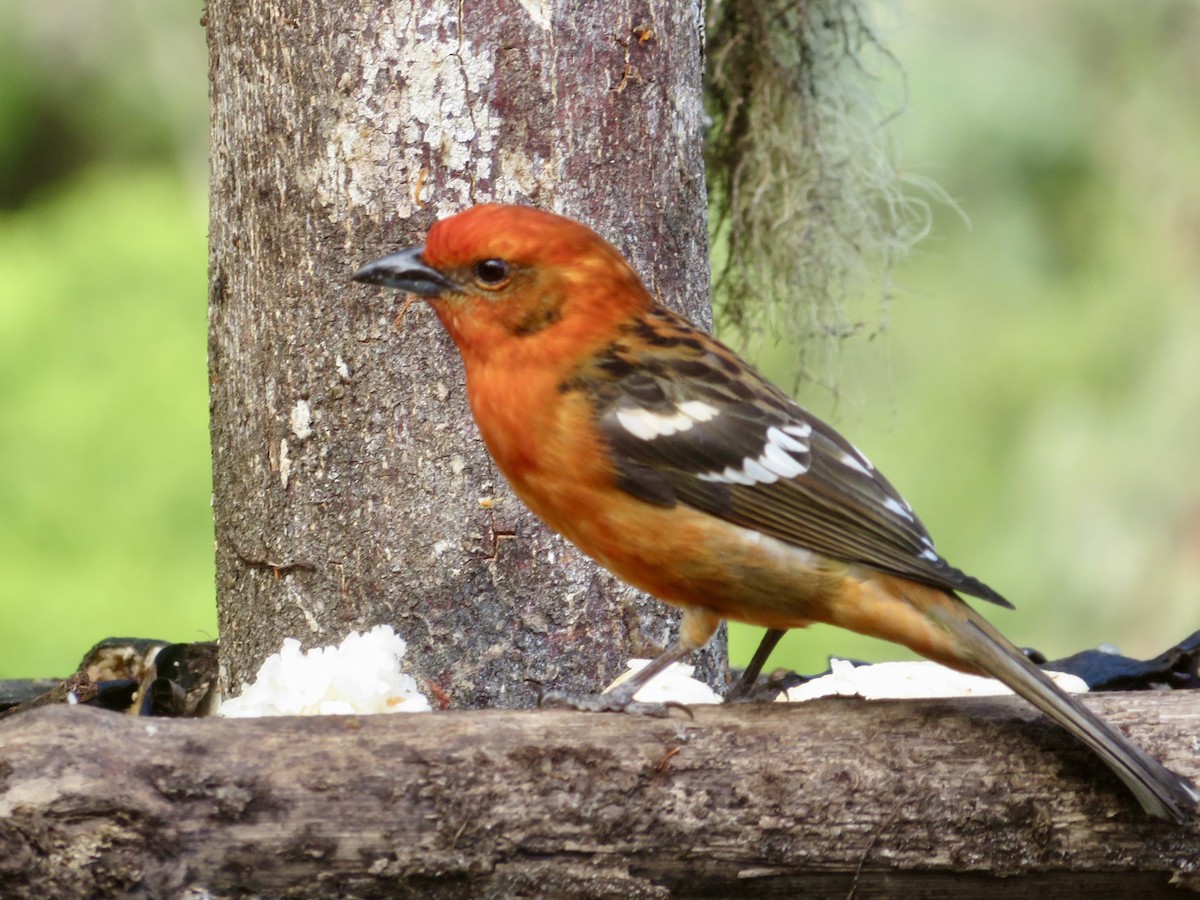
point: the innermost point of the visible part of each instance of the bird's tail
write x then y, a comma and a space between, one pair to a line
1161, 792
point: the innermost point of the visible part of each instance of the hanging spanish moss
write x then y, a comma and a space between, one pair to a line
808, 211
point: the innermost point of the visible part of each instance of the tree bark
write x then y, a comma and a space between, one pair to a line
350, 485
839, 797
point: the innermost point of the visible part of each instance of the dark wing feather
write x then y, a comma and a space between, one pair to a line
689, 423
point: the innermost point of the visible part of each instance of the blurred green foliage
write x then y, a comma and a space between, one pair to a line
105, 526
90, 82
1035, 393
104, 515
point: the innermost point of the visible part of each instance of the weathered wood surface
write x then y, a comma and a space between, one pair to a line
833, 798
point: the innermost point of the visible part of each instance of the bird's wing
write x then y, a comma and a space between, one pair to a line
688, 422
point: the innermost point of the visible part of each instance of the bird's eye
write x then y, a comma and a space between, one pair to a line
492, 273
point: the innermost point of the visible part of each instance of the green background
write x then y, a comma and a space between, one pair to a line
1035, 395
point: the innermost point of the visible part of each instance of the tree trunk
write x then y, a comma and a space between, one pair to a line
840, 797
350, 485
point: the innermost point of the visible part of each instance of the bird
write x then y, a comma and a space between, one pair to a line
666, 458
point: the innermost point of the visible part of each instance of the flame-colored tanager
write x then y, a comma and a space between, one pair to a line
671, 462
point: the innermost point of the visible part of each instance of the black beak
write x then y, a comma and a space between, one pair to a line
408, 272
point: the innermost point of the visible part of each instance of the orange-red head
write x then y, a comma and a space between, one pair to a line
498, 273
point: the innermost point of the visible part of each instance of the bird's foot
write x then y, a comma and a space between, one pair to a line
765, 690
609, 701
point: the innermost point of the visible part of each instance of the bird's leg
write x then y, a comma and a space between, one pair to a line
620, 698
697, 627
747, 685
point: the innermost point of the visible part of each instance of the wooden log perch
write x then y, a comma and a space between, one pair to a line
837, 797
